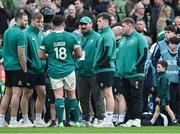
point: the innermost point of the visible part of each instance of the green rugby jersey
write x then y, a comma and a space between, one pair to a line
13, 38
60, 46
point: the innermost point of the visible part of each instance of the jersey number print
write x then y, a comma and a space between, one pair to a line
60, 53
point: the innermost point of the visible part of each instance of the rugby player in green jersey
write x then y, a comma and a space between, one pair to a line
14, 45
61, 47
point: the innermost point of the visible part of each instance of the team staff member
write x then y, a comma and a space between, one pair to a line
132, 56
61, 46
14, 45
120, 103
104, 65
86, 80
36, 78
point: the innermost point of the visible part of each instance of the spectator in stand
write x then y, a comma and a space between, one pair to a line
177, 8
30, 8
66, 3
56, 6
113, 20
45, 9
141, 28
112, 10
81, 12
44, 3
71, 19
139, 13
154, 16
31, 5
177, 25
164, 18
48, 14
100, 7
129, 6
4, 18
22, 3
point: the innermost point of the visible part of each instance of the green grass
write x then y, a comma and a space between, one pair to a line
142, 130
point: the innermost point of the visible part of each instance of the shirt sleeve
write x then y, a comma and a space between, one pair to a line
142, 47
21, 40
42, 46
76, 43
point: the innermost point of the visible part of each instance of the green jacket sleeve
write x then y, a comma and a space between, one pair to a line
143, 52
163, 87
107, 50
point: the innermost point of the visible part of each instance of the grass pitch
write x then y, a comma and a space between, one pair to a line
70, 130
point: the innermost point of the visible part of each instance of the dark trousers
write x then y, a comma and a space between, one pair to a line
175, 98
133, 92
86, 87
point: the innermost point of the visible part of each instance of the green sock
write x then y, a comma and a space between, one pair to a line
59, 105
67, 109
74, 109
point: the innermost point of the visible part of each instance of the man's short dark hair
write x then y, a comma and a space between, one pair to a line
104, 16
174, 40
163, 63
140, 19
30, 1
128, 21
58, 20
81, 1
20, 13
170, 28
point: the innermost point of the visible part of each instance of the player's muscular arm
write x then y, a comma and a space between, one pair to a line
22, 58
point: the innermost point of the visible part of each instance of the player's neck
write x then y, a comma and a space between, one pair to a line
59, 29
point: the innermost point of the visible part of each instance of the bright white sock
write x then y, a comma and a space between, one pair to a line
109, 116
13, 119
25, 117
115, 117
38, 116
121, 117
2, 118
